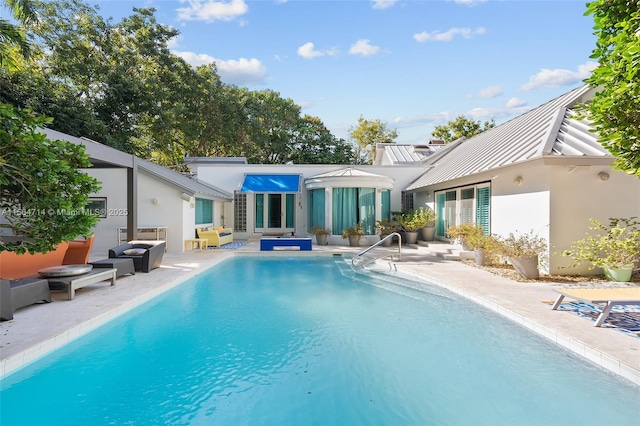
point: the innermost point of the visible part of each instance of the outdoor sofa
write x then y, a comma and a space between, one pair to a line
146, 255
216, 236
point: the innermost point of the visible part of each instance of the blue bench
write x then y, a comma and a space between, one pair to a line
267, 244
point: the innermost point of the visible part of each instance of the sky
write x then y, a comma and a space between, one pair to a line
414, 65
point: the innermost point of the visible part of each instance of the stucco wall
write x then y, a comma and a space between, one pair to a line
579, 195
229, 177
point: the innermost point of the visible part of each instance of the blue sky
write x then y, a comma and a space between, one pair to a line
412, 64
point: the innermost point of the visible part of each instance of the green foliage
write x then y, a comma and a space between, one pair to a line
319, 230
461, 127
465, 233
414, 219
13, 41
42, 192
119, 84
386, 226
352, 230
615, 109
367, 134
610, 246
526, 245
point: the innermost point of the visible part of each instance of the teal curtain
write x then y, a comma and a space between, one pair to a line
440, 211
204, 211
367, 209
483, 209
316, 208
290, 208
259, 210
386, 204
345, 209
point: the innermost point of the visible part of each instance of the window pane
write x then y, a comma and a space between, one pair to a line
259, 210
345, 209
290, 208
316, 208
440, 211
367, 209
483, 209
204, 211
386, 204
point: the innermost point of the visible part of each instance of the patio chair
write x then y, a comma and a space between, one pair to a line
78, 251
606, 296
146, 255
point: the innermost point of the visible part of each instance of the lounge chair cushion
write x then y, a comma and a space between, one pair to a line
135, 252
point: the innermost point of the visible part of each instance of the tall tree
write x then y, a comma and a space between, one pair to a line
313, 143
13, 37
461, 127
615, 109
42, 191
367, 134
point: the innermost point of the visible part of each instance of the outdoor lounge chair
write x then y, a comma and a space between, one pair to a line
146, 255
608, 296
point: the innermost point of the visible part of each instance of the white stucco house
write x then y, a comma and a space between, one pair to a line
142, 196
543, 171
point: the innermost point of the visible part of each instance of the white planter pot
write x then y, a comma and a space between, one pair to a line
526, 267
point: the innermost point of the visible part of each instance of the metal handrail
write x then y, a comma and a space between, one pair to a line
368, 249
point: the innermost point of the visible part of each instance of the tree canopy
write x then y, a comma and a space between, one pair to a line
461, 127
42, 191
367, 134
13, 37
615, 109
118, 83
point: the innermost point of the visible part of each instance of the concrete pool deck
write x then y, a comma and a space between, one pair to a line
38, 329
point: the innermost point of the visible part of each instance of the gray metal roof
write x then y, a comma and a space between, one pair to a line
551, 130
105, 156
404, 154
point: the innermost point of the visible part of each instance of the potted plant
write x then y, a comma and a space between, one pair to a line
321, 235
524, 251
412, 221
353, 233
386, 227
483, 246
614, 247
428, 216
464, 233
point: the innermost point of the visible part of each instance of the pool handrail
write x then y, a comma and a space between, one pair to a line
360, 256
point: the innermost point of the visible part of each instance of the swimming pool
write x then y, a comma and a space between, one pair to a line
284, 340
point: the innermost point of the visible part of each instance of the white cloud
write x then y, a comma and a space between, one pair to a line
364, 48
469, 2
448, 35
559, 77
308, 51
487, 92
174, 42
232, 71
210, 10
515, 103
383, 4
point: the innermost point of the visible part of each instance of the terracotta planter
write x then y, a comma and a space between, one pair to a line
621, 275
526, 267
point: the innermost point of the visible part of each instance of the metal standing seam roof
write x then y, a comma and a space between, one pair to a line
550, 130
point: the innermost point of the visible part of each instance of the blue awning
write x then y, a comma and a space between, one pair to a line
270, 183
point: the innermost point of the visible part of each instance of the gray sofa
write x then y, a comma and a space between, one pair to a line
16, 294
150, 257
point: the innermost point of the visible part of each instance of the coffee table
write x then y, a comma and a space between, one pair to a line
72, 283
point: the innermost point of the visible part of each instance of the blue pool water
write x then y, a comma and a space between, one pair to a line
304, 341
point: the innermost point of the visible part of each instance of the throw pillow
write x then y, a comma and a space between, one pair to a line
219, 229
135, 252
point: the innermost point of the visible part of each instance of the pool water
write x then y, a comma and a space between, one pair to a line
306, 341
